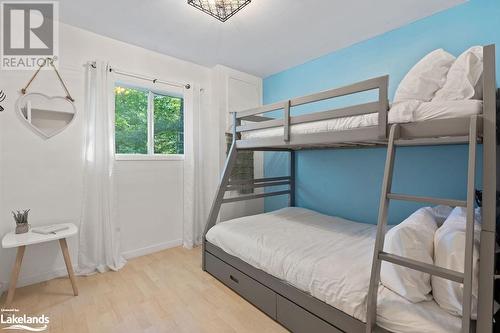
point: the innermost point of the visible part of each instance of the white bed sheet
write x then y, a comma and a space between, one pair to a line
414, 112
329, 258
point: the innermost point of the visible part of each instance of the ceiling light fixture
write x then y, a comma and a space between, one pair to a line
220, 9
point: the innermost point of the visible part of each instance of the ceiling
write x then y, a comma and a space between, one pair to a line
265, 37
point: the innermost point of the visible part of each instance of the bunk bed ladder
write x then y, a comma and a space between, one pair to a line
226, 184
379, 255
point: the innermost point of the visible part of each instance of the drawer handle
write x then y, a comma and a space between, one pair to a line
234, 279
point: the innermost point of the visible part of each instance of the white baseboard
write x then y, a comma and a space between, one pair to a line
151, 249
60, 272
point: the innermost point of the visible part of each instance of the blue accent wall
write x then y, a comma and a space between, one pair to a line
347, 182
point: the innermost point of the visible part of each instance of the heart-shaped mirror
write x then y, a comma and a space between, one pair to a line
46, 115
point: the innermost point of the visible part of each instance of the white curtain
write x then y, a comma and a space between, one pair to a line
99, 248
196, 197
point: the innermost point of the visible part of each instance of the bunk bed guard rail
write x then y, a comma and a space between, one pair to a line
258, 121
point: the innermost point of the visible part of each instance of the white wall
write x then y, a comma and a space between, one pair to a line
235, 91
46, 175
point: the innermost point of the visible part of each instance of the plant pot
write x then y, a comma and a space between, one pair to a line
22, 228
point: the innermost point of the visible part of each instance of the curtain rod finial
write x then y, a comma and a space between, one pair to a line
187, 86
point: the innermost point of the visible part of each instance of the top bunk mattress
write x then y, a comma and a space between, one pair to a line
329, 258
412, 111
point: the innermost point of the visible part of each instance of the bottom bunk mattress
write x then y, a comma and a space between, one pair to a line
329, 258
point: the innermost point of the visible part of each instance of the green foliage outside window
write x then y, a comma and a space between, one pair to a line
131, 122
169, 125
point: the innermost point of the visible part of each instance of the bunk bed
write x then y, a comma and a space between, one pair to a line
233, 251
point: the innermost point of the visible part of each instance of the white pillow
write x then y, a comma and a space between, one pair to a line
441, 213
425, 78
464, 77
449, 252
413, 238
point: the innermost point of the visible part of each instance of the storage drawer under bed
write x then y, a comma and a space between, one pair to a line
299, 320
254, 292
284, 311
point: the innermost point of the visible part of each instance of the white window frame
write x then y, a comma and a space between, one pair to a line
150, 156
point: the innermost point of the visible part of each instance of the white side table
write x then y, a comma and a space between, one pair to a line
20, 241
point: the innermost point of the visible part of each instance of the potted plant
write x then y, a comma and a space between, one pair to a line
21, 218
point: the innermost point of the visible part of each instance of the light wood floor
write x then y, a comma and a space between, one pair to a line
162, 292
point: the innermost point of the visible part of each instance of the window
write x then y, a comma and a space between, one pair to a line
148, 124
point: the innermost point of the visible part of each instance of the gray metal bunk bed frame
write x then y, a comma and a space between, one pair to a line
297, 310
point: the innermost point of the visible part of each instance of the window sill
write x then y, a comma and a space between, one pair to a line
141, 157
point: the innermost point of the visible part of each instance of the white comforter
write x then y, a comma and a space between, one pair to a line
403, 112
328, 257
